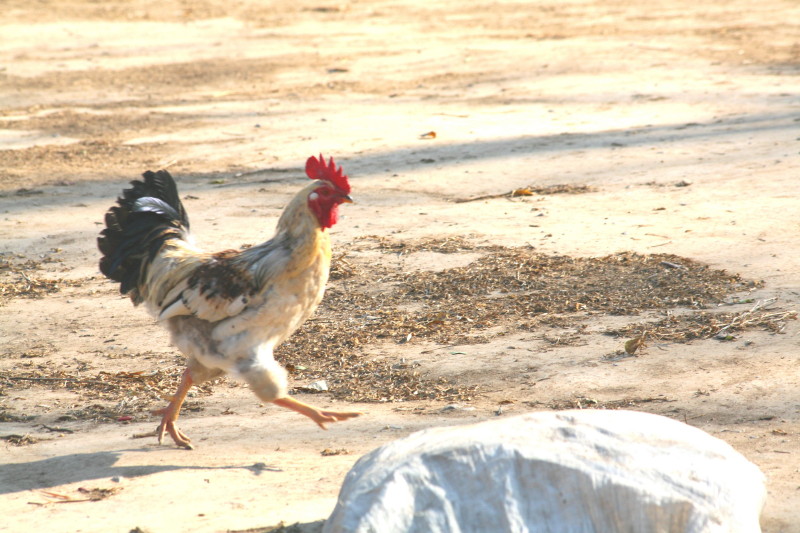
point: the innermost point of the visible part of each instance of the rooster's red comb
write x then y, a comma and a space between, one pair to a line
318, 170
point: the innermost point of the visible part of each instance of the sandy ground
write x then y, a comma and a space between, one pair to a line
682, 117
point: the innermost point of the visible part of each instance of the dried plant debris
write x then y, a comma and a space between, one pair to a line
506, 289
372, 302
706, 325
446, 245
585, 402
6, 416
282, 527
565, 337
84, 495
564, 188
327, 452
619, 284
532, 190
24, 286
104, 396
636, 343
20, 440
341, 268
19, 279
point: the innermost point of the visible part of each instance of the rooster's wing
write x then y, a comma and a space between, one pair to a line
222, 285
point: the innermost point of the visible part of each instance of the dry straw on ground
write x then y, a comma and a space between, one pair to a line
372, 302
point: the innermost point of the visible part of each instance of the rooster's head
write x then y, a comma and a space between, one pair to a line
333, 189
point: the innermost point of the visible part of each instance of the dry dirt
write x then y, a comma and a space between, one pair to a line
559, 204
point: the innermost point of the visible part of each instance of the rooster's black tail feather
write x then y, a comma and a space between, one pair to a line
148, 214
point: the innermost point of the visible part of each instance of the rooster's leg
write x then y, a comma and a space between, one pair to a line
170, 414
317, 415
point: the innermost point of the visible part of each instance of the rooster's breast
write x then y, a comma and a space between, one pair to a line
281, 308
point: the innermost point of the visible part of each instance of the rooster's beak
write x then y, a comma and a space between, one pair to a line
346, 199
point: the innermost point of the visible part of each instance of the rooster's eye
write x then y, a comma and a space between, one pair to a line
324, 192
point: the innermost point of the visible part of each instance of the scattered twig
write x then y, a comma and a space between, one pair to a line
530, 191
484, 197
92, 495
749, 317
56, 380
668, 264
327, 452
56, 429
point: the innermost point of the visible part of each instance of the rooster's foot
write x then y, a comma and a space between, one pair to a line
317, 415
168, 426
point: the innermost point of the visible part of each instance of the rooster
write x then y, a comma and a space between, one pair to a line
225, 311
